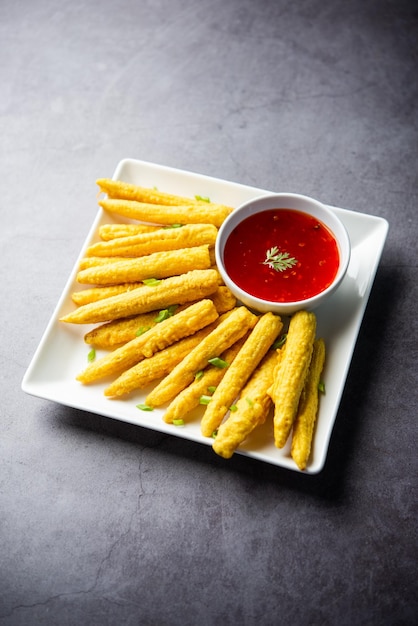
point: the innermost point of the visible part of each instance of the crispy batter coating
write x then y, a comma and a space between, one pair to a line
189, 398
252, 409
128, 191
291, 375
117, 332
159, 240
157, 338
107, 232
85, 296
255, 348
223, 299
303, 426
174, 290
157, 366
203, 213
94, 261
236, 324
157, 265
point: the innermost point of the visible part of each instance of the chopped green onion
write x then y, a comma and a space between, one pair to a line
166, 313
91, 355
279, 342
321, 387
233, 408
178, 422
198, 375
144, 407
151, 282
217, 362
173, 226
142, 330
203, 198
215, 432
212, 389
250, 402
204, 399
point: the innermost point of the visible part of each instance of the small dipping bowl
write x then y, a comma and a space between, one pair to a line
271, 263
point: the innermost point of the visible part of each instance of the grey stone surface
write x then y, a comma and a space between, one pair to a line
103, 523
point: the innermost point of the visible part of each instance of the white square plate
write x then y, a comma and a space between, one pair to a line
62, 353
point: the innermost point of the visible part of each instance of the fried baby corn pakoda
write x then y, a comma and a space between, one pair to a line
162, 335
174, 290
117, 332
157, 265
303, 427
252, 408
211, 376
160, 240
114, 334
157, 366
94, 261
255, 348
204, 213
235, 326
85, 296
292, 372
128, 191
223, 299
107, 232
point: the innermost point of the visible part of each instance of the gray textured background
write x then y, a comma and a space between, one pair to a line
104, 523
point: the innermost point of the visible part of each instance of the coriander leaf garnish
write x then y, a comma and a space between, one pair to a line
279, 261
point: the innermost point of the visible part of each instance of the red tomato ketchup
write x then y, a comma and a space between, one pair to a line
282, 255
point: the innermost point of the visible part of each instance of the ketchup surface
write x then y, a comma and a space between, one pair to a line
300, 235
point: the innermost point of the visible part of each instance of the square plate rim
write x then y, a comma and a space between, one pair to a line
29, 385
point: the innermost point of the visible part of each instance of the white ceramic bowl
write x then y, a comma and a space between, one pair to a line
284, 201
